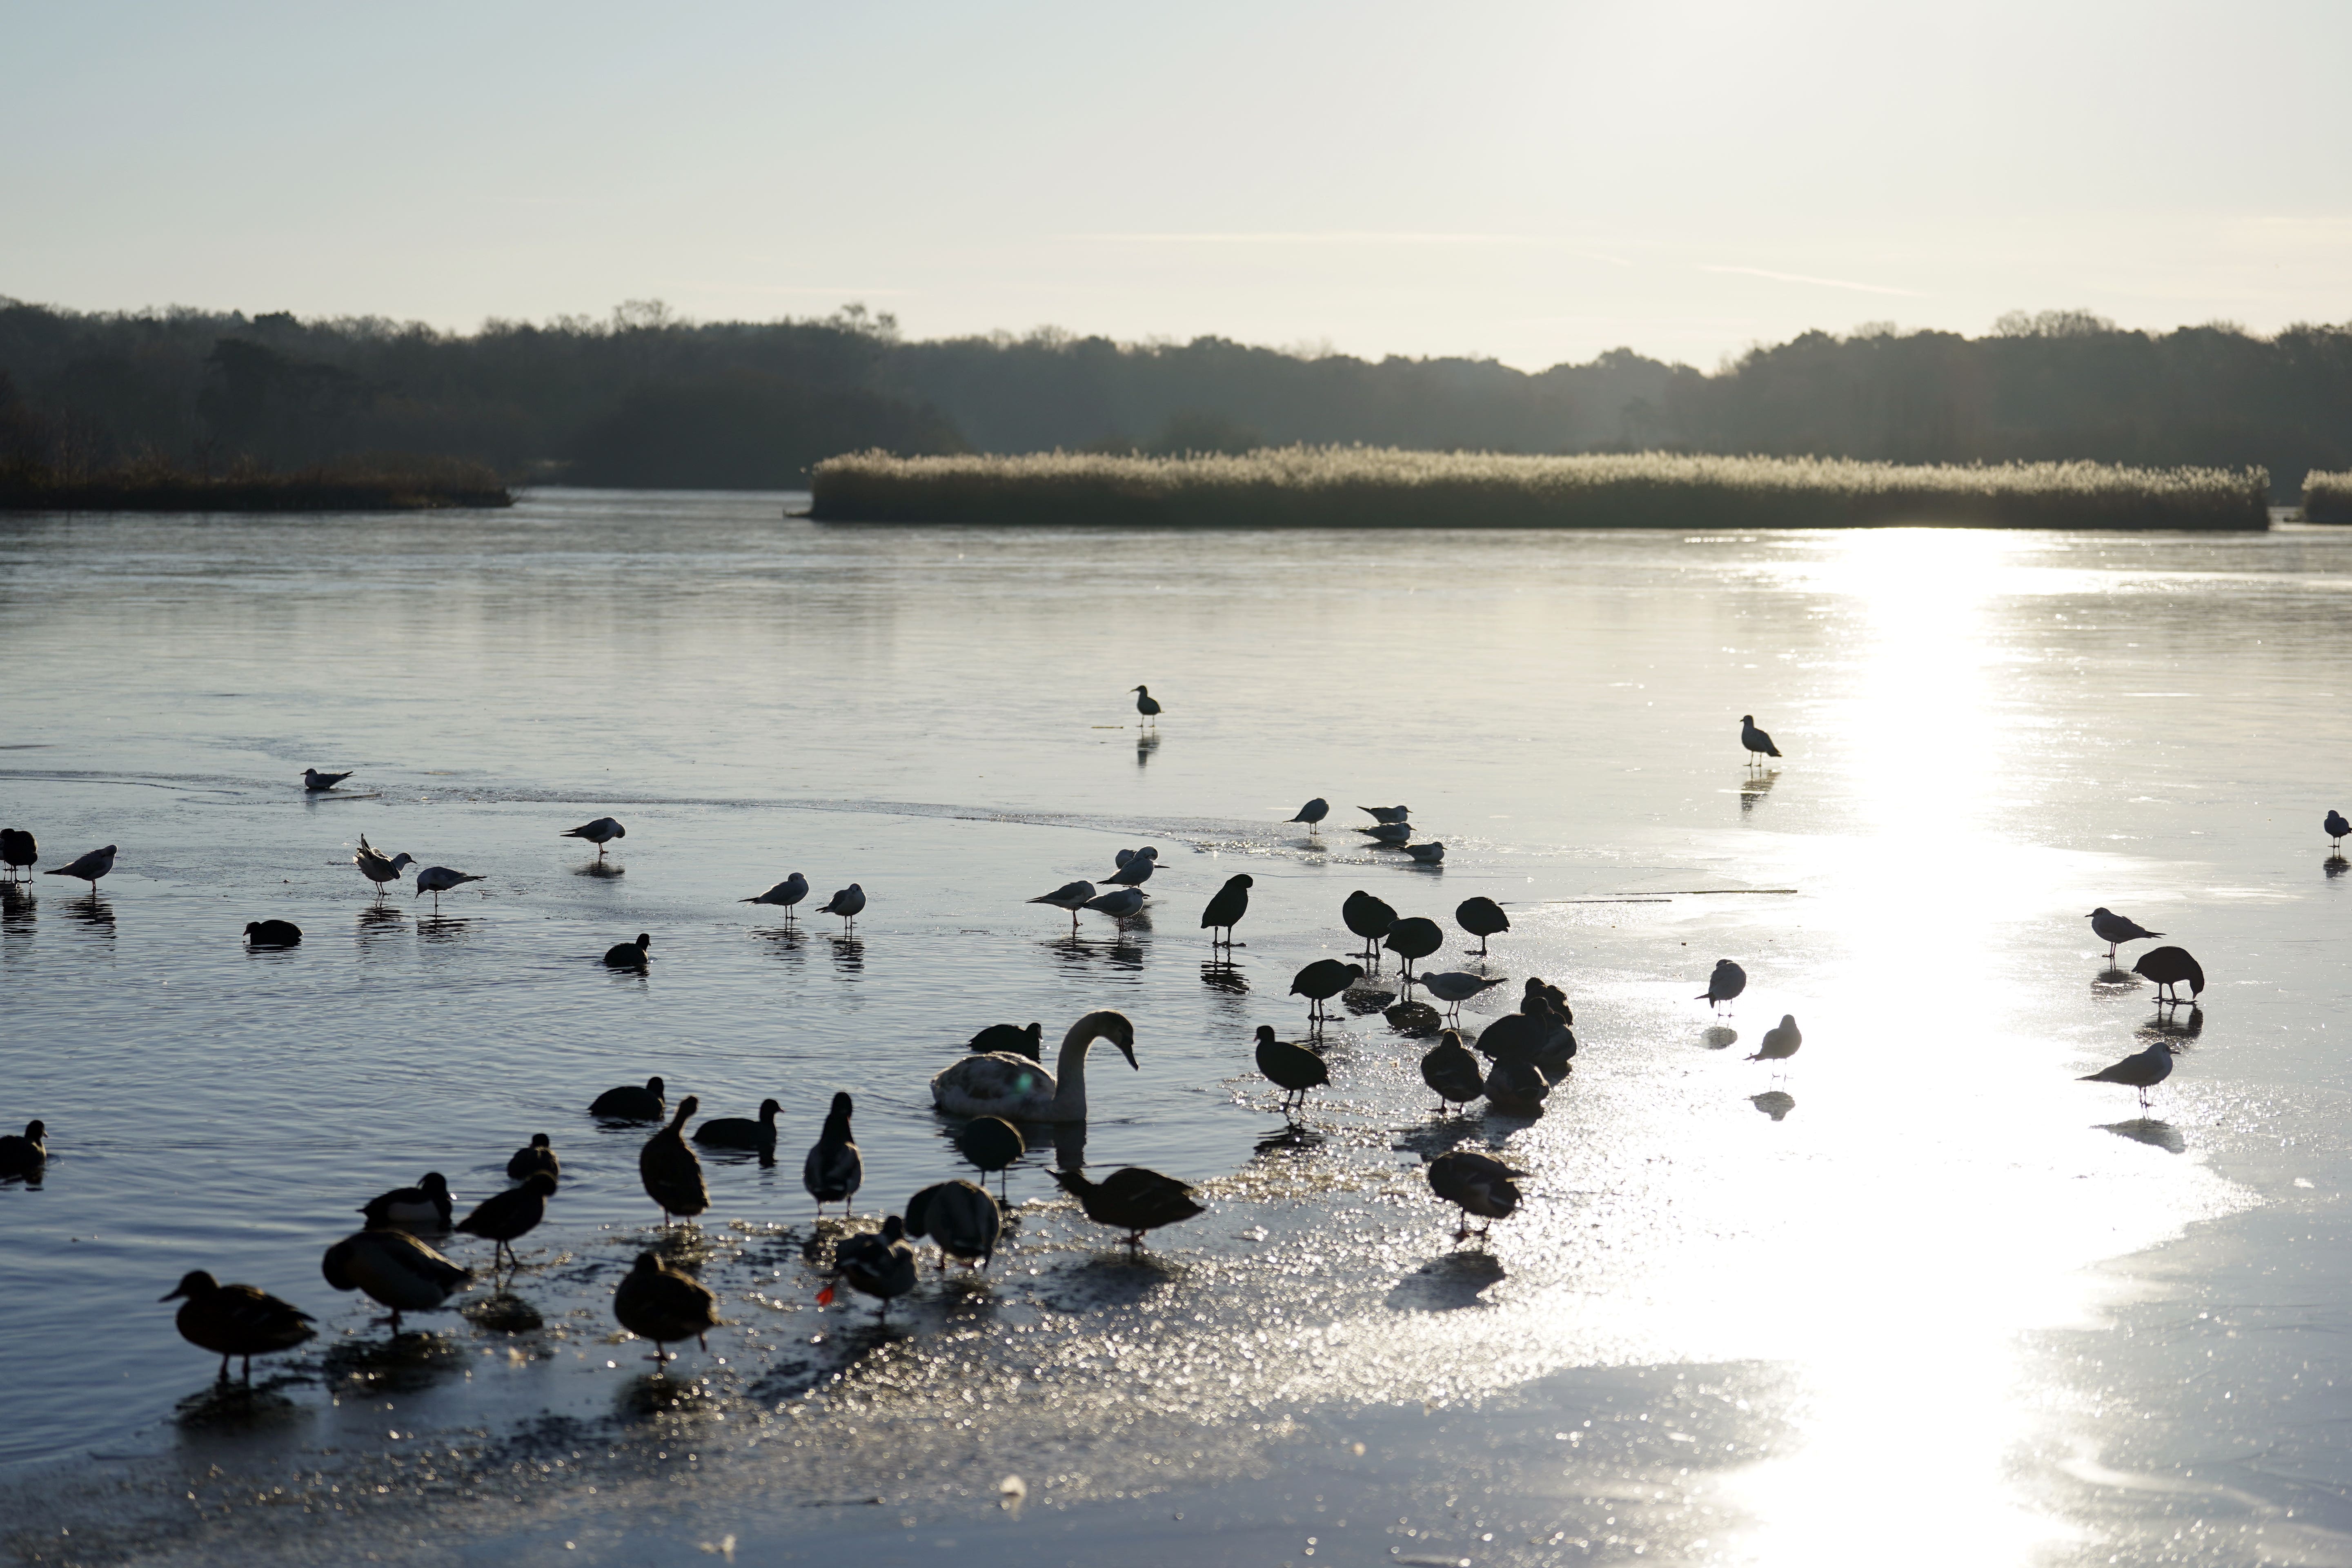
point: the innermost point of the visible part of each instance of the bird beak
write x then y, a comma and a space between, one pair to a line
1129, 1052
174, 1294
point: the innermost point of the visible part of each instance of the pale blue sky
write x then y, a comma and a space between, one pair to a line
1533, 182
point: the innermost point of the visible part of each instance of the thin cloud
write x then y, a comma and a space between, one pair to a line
1330, 237
1817, 282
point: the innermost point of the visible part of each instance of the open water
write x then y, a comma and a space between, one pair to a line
1921, 1297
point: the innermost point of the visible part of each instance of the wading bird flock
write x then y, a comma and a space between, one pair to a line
1000, 1085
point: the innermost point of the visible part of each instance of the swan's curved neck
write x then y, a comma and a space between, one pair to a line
1070, 1067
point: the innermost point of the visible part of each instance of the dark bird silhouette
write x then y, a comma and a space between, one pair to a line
655, 1302
1452, 1072
834, 1169
1134, 868
1430, 854
1474, 1184
394, 1269
235, 1320
1147, 704
1519, 1036
601, 832
1414, 937
1011, 1039
671, 1173
314, 781
2112, 928
1538, 986
880, 1265
1517, 1083
1392, 834
1070, 896
1313, 812
19, 850
1230, 903
784, 895
535, 1158
502, 1217
2169, 967
959, 1216
630, 1103
1780, 1042
990, 1143
628, 955
1291, 1067
88, 869
847, 903
1133, 1200
1322, 980
1482, 918
1387, 813
1369, 918
1758, 742
23, 1157
426, 1207
2143, 1070
1726, 982
741, 1131
273, 933
379, 867
2336, 826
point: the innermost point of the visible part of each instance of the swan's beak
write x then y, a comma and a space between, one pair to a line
1129, 1052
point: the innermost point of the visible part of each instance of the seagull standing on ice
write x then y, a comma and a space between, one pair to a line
1727, 982
2112, 928
847, 903
1758, 742
601, 832
1313, 812
1070, 897
314, 781
2142, 1072
1147, 705
1781, 1043
784, 895
88, 869
2336, 828
1134, 868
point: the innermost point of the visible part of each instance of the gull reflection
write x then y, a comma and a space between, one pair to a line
2113, 981
1145, 744
1719, 1037
1775, 1103
784, 942
1447, 1283
444, 928
848, 953
2335, 866
2146, 1130
602, 870
1755, 787
93, 911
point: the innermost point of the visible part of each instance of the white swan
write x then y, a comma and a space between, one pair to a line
1018, 1090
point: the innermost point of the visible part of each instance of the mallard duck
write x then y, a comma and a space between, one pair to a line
537, 1156
1322, 980
426, 1207
394, 1269
991, 1144
88, 869
1482, 918
657, 1302
503, 1216
834, 1169
235, 1320
1133, 1200
17, 849
1474, 1184
630, 1103
1227, 906
1290, 1066
1415, 937
1010, 1040
273, 933
1452, 1072
1517, 1083
741, 1131
1019, 1089
671, 1174
628, 955
879, 1264
961, 1216
2170, 967
1369, 918
23, 1157
601, 832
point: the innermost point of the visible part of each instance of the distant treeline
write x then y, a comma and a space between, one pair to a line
644, 399
148, 483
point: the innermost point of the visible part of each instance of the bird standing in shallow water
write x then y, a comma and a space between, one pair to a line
628, 955
601, 832
1391, 834
18, 849
1369, 918
503, 1217
2112, 928
1412, 939
2169, 967
314, 781
2142, 1072
784, 894
1725, 983
1147, 705
1760, 745
991, 1144
1387, 813
1134, 868
1121, 904
235, 1320
1780, 1044
88, 867
1132, 1199
1482, 918
848, 903
1474, 1184
1322, 980
834, 1169
962, 1218
379, 867
671, 1174
1429, 854
657, 1302
1313, 812
1456, 987
1230, 903
438, 879
394, 1269
2335, 823
1293, 1068
1452, 1072
1071, 897
879, 1264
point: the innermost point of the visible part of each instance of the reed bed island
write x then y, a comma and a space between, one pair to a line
1372, 487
